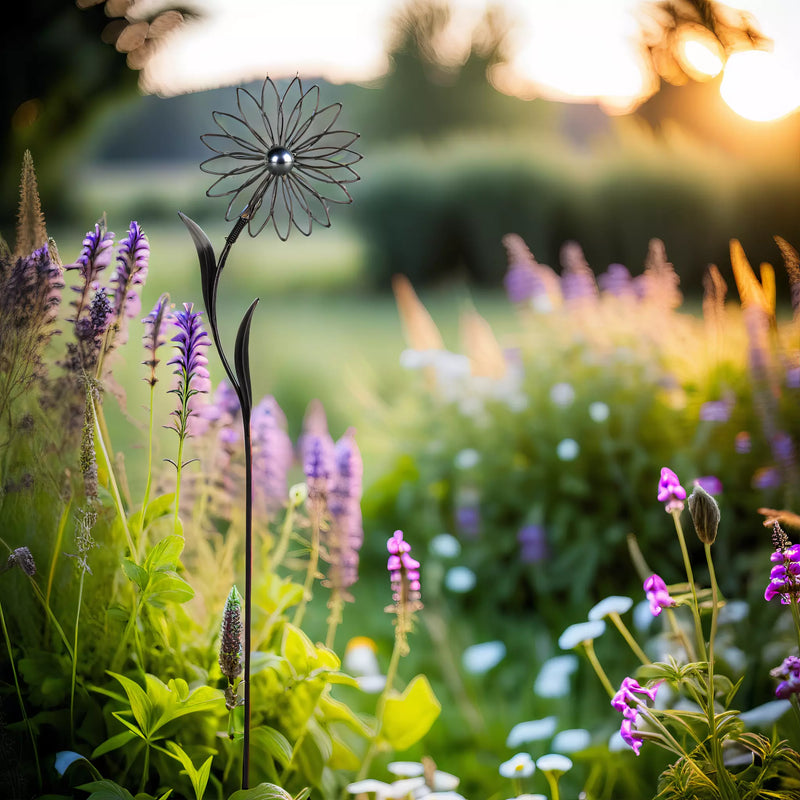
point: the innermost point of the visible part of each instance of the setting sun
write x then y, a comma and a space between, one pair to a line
758, 87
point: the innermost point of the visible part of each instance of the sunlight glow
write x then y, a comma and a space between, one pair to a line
758, 87
701, 59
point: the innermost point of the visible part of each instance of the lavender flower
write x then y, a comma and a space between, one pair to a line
657, 594
617, 282
742, 443
670, 491
405, 581
346, 535
577, 280
533, 543
628, 700
191, 341
317, 455
96, 254
789, 670
783, 577
154, 336
272, 453
715, 411
133, 259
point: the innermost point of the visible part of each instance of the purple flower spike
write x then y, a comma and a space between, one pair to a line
96, 254
133, 260
532, 543
670, 491
344, 504
272, 454
657, 594
191, 342
317, 454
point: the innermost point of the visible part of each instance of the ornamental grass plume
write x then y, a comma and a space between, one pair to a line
230, 646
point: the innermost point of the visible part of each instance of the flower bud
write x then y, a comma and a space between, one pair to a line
705, 514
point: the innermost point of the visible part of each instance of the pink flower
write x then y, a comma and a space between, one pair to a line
657, 594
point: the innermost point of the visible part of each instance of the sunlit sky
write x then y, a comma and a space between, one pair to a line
579, 50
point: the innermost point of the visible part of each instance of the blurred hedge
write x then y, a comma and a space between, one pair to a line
432, 213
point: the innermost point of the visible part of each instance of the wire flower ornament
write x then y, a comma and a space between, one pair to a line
281, 159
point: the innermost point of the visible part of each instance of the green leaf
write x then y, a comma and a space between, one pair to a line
298, 650
113, 743
140, 703
106, 790
264, 791
274, 742
135, 573
409, 716
159, 507
198, 777
167, 587
165, 554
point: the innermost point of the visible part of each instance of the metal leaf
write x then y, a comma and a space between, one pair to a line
208, 265
241, 360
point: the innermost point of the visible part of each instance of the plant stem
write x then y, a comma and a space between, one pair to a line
62, 523
795, 617
552, 781
75, 659
19, 696
588, 646
628, 636
311, 571
391, 672
286, 532
179, 468
149, 483
112, 482
698, 627
336, 606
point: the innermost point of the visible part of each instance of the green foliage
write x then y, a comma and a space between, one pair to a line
409, 716
440, 211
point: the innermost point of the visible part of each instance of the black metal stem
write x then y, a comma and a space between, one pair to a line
248, 594
244, 403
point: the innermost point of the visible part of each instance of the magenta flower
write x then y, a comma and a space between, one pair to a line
405, 580
628, 700
657, 594
789, 670
670, 491
783, 577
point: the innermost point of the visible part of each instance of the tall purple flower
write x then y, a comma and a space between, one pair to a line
191, 342
577, 280
132, 264
96, 254
657, 594
628, 700
154, 336
317, 455
272, 454
783, 577
670, 491
346, 534
405, 580
617, 282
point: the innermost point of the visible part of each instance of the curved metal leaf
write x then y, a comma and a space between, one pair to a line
241, 360
208, 265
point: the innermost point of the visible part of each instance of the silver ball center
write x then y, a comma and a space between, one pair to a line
279, 161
